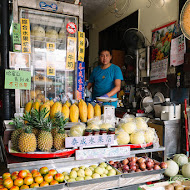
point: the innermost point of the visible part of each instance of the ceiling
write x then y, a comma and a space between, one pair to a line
91, 7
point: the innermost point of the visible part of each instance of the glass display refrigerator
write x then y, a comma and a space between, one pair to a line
50, 22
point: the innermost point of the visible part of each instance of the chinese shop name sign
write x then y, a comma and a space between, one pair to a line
81, 46
16, 79
80, 80
89, 141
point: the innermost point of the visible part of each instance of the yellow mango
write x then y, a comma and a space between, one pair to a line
28, 107
36, 105
97, 111
74, 113
51, 103
90, 111
47, 108
68, 104
65, 111
57, 107
83, 111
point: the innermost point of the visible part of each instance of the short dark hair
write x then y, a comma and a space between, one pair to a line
101, 50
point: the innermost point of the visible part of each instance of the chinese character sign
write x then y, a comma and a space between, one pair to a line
25, 35
89, 141
17, 79
81, 46
71, 53
80, 80
50, 57
16, 37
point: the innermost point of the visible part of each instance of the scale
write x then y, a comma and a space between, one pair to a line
108, 110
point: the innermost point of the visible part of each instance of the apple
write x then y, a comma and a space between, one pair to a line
8, 183
44, 183
27, 171
149, 164
81, 173
103, 164
111, 162
22, 173
54, 182
79, 178
82, 167
106, 171
104, 175
66, 177
48, 178
28, 180
163, 165
156, 162
133, 159
99, 170
93, 166
76, 169
125, 167
95, 175
73, 174
87, 177
53, 172
33, 171
29, 175
18, 182
88, 172
138, 170
132, 163
44, 170
14, 188
16, 172
142, 166
6, 175
13, 177
34, 185
111, 172
140, 160
115, 165
156, 167
133, 168
24, 187
36, 174
65, 173
108, 167
125, 162
59, 177
71, 180
39, 179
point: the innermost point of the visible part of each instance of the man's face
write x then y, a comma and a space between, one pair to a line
105, 57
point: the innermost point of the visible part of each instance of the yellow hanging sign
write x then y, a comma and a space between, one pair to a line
71, 53
50, 46
50, 71
25, 35
81, 46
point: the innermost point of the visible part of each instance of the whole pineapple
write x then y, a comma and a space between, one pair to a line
27, 140
17, 132
59, 138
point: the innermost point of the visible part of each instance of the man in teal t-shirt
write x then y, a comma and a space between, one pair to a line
106, 78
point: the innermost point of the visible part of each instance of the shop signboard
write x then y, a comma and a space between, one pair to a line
17, 79
102, 152
81, 46
80, 80
16, 37
71, 53
25, 35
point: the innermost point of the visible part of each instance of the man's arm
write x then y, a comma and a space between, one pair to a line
116, 88
89, 85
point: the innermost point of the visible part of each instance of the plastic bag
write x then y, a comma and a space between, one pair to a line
127, 117
77, 130
141, 123
96, 120
137, 137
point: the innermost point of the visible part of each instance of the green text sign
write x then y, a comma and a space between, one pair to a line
16, 37
17, 79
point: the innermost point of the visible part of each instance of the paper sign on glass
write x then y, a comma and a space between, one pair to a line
17, 79
71, 53
25, 35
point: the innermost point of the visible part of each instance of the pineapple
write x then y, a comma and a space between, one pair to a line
27, 140
17, 132
59, 138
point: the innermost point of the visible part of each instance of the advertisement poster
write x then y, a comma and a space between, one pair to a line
17, 79
161, 41
80, 80
19, 60
178, 49
158, 72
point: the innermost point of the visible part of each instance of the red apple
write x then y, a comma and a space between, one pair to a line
8, 183
36, 174
33, 171
6, 175
125, 167
138, 170
163, 165
125, 162
52, 172
114, 165
59, 177
111, 162
28, 180
142, 166
13, 177
156, 167
48, 178
38, 179
16, 172
132, 163
133, 159
22, 173
140, 160
44, 170
149, 164
133, 168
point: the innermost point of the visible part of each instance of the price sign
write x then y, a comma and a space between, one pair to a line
17, 79
102, 152
25, 35
50, 46
16, 37
71, 27
71, 53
